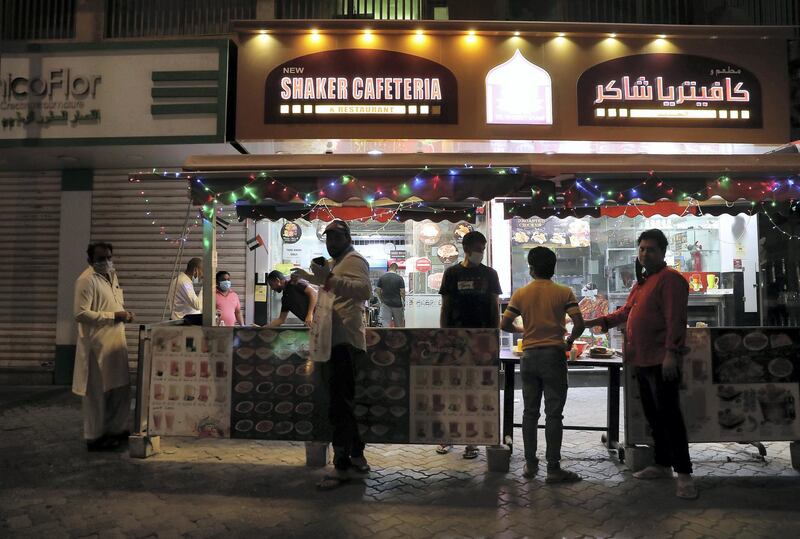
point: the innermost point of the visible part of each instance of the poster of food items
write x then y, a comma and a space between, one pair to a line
278, 392
454, 387
555, 233
738, 385
190, 382
279, 395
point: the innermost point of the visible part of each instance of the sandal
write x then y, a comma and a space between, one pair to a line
470, 452
443, 449
332, 482
653, 472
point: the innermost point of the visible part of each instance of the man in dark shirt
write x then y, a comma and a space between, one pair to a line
470, 299
298, 298
391, 290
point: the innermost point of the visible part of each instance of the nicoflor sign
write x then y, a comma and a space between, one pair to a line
360, 85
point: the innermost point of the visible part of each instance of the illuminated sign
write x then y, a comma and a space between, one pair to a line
663, 90
519, 92
360, 85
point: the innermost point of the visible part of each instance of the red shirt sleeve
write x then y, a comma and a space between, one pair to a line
675, 299
620, 316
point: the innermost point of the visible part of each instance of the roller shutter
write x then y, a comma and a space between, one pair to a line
30, 215
143, 221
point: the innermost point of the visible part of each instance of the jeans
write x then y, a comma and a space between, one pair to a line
662, 409
340, 375
544, 371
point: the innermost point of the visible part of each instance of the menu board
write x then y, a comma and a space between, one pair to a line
455, 389
738, 385
190, 381
551, 232
278, 392
412, 386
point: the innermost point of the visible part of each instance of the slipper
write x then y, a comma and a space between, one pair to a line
331, 482
443, 449
653, 472
360, 466
470, 453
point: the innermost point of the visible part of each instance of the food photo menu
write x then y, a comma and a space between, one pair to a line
278, 393
190, 381
737, 385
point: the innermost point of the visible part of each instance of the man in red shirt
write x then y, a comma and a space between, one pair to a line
655, 334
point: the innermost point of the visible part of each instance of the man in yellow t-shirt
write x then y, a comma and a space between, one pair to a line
543, 306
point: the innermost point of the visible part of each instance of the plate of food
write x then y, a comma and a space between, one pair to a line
780, 367
382, 358
303, 428
265, 369
244, 425
539, 237
779, 340
447, 253
284, 427
520, 238
461, 230
728, 419
244, 369
304, 390
284, 407
246, 335
373, 337
727, 343
740, 370
264, 426
728, 393
601, 352
244, 407
755, 341
243, 387
267, 335
430, 233
395, 339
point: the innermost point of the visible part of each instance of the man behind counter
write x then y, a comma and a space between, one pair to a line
299, 298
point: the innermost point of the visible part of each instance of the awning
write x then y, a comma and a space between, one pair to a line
416, 186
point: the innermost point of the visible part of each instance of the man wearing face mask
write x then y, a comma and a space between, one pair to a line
346, 275
470, 299
182, 290
655, 317
101, 357
228, 306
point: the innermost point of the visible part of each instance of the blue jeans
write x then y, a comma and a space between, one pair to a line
544, 371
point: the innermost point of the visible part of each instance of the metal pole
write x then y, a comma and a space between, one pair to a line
209, 267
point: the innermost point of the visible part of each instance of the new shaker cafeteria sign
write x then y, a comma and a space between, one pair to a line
360, 85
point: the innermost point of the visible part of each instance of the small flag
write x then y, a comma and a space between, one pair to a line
256, 241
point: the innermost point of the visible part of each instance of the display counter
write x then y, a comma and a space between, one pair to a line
421, 386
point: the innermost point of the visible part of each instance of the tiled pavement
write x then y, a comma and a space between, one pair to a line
51, 487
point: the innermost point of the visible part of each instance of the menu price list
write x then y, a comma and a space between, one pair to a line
190, 381
455, 405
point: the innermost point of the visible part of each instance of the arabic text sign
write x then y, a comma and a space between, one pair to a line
360, 85
669, 90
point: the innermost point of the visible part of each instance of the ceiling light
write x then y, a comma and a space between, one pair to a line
516, 34
612, 35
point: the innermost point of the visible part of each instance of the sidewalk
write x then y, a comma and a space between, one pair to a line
51, 487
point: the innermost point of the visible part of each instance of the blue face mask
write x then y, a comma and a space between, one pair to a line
224, 285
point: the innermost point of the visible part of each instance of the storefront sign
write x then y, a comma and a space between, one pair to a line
360, 85
397, 254
519, 92
669, 90
120, 93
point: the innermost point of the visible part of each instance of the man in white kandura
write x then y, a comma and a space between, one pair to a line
101, 357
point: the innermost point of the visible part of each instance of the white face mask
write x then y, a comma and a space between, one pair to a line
195, 279
475, 258
104, 268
